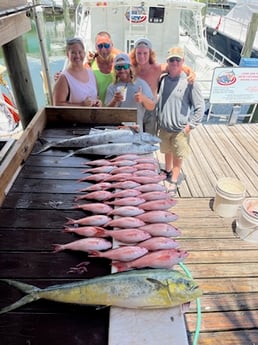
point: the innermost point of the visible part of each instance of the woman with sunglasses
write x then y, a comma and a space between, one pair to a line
138, 93
76, 86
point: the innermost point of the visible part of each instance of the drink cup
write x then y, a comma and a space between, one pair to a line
122, 90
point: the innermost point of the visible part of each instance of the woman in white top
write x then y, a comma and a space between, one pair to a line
76, 85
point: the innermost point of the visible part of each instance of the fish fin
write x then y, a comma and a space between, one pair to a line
69, 221
93, 253
46, 145
27, 288
99, 307
24, 300
156, 282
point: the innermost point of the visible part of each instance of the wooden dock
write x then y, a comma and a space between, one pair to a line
34, 212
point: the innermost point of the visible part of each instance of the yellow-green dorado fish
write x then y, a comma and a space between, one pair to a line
139, 289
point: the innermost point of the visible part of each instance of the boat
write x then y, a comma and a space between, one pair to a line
228, 33
166, 23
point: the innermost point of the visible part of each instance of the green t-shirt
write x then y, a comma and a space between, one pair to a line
103, 80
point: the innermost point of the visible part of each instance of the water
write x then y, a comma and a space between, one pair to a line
55, 31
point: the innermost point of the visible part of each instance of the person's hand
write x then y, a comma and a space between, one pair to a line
97, 103
57, 75
90, 57
138, 95
187, 129
118, 97
191, 77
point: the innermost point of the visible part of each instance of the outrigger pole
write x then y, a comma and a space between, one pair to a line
37, 11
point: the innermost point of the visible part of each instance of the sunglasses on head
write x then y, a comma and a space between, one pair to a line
74, 40
103, 45
119, 67
172, 59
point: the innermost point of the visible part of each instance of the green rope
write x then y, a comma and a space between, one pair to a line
198, 305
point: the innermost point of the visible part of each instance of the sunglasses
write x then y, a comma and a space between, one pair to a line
177, 59
103, 45
120, 67
74, 40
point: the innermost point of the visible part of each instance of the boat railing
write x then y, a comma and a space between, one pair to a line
218, 57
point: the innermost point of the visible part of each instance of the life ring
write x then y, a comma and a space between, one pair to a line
15, 115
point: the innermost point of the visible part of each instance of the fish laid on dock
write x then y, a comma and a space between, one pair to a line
115, 149
137, 289
101, 137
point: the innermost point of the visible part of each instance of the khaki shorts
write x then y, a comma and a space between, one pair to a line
177, 143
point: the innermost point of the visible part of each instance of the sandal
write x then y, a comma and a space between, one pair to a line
173, 190
167, 173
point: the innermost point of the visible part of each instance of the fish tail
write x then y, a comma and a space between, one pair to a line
70, 221
120, 266
68, 229
94, 254
27, 288
57, 247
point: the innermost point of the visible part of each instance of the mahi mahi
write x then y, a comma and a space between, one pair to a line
102, 137
137, 289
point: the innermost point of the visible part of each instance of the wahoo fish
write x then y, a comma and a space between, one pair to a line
115, 149
144, 289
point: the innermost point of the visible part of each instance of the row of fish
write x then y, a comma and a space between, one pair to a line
138, 289
106, 143
140, 210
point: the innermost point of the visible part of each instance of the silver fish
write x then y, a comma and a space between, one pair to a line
102, 137
115, 149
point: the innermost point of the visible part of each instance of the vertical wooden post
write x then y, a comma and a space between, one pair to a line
18, 71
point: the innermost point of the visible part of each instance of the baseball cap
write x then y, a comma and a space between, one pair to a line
143, 42
175, 52
122, 59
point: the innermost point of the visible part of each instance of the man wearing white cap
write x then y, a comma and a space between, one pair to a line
144, 63
180, 109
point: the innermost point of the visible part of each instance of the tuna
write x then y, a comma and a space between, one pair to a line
165, 258
84, 245
157, 217
144, 289
125, 253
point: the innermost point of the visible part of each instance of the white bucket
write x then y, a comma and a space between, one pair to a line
230, 193
247, 222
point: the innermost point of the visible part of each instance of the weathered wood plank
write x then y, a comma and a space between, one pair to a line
232, 337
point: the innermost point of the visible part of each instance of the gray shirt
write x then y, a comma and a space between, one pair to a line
179, 104
129, 102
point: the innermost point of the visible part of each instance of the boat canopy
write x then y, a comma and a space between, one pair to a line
243, 10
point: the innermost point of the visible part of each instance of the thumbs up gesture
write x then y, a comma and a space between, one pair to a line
138, 96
